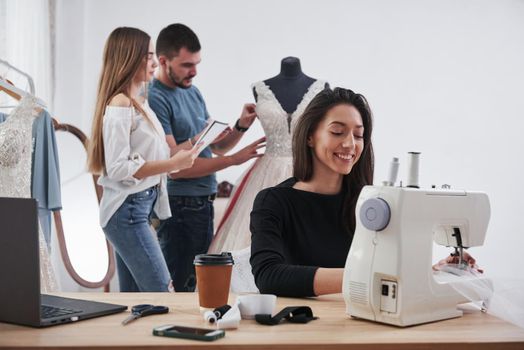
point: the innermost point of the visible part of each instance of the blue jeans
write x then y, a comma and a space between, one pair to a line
187, 233
139, 261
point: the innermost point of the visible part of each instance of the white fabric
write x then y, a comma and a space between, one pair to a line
16, 148
507, 302
245, 308
242, 279
130, 141
501, 298
274, 167
231, 318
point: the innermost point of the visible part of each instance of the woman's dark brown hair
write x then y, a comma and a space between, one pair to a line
362, 172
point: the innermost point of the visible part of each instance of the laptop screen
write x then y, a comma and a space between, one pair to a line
19, 261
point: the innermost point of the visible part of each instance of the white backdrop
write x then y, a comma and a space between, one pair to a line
443, 77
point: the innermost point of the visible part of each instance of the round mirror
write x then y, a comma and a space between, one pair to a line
86, 254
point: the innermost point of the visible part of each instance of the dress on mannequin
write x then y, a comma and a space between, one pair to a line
281, 101
16, 166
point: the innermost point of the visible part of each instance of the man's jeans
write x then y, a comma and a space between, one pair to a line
139, 261
187, 233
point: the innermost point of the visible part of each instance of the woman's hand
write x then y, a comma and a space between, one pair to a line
184, 158
454, 259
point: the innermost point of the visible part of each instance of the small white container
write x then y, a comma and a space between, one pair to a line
253, 304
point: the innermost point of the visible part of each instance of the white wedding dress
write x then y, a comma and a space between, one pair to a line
16, 148
233, 234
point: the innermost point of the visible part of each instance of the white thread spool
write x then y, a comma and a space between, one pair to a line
393, 172
210, 316
413, 166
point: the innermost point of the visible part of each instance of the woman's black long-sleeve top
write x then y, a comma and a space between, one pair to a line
293, 233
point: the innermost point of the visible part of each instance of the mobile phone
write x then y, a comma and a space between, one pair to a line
174, 331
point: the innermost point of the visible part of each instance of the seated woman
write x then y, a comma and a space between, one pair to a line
302, 228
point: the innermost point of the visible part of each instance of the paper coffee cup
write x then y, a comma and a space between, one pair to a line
213, 273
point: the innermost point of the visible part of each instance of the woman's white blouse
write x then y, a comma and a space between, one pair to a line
129, 141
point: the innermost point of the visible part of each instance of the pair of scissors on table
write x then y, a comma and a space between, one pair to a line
143, 310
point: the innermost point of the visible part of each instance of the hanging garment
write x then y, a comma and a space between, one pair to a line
233, 234
45, 182
16, 171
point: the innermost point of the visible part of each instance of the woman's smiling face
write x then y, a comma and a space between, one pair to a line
338, 140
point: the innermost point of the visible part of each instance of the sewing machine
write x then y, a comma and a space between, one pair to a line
388, 276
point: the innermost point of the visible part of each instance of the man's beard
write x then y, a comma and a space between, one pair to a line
176, 80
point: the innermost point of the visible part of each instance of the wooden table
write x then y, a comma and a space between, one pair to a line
333, 330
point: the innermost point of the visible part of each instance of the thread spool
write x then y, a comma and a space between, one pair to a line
209, 316
413, 166
393, 172
220, 311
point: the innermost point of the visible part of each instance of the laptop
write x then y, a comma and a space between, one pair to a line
20, 299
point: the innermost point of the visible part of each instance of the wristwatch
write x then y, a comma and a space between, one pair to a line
239, 128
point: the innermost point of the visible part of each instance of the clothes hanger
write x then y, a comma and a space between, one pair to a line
17, 93
27, 76
8, 90
9, 93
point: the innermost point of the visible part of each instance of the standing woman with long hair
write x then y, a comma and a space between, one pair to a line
129, 151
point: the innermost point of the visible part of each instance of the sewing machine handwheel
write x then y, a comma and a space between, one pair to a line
375, 214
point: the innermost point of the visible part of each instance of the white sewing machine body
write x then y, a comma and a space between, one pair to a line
388, 276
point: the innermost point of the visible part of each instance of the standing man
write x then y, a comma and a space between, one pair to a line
182, 111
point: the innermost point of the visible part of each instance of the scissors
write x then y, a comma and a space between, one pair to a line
143, 310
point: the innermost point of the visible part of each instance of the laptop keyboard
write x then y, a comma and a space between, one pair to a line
52, 311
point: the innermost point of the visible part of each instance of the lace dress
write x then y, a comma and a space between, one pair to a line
16, 147
275, 166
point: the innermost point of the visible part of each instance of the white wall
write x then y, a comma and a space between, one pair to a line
443, 77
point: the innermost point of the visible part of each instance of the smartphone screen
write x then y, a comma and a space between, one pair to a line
188, 332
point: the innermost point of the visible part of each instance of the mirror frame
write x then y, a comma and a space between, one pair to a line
104, 282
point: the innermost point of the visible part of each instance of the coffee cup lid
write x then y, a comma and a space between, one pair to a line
214, 259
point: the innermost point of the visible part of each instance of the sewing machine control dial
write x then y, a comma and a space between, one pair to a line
375, 214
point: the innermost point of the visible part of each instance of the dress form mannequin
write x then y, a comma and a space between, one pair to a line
290, 85
281, 100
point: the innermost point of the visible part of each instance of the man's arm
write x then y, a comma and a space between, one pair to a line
227, 143
201, 166
247, 117
205, 166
